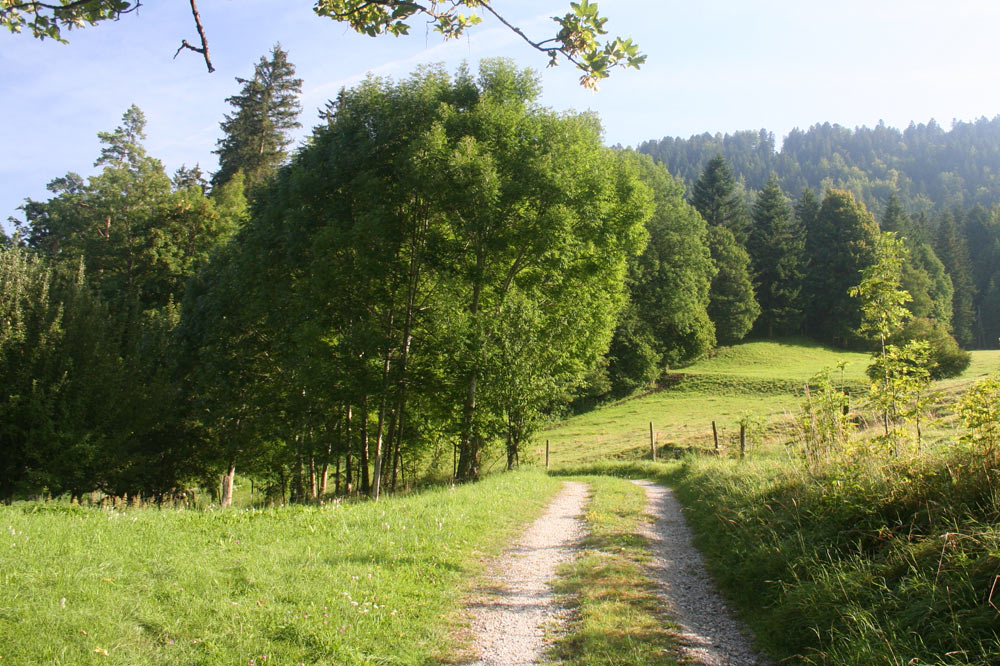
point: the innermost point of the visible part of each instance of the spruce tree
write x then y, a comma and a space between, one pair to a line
777, 247
256, 135
953, 251
923, 275
719, 199
840, 244
807, 209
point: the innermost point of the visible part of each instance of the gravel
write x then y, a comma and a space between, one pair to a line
710, 635
508, 622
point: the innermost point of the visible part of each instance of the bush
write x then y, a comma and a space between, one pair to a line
947, 358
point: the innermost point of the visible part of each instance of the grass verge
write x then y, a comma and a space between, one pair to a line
340, 584
871, 561
617, 617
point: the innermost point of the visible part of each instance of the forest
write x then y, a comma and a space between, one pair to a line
440, 270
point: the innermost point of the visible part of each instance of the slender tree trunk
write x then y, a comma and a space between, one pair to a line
313, 480
336, 478
299, 490
469, 447
363, 463
348, 479
227, 485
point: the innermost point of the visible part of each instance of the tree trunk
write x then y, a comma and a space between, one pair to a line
227, 485
299, 489
363, 463
348, 478
313, 481
468, 455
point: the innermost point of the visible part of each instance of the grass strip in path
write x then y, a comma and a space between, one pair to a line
617, 617
365, 583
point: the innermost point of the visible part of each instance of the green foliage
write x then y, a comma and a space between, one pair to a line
48, 20
633, 361
670, 281
979, 410
577, 39
925, 278
953, 250
719, 200
825, 418
840, 244
460, 253
140, 239
776, 245
900, 378
882, 296
947, 359
732, 307
255, 135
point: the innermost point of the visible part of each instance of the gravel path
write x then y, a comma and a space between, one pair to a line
710, 634
508, 623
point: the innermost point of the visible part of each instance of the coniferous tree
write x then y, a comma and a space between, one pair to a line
807, 210
777, 247
256, 135
140, 238
840, 244
923, 274
719, 199
953, 251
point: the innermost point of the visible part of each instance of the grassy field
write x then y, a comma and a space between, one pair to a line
339, 584
863, 559
763, 378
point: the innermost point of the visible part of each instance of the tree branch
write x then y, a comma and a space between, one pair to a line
204, 40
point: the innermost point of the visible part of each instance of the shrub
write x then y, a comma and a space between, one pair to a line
947, 358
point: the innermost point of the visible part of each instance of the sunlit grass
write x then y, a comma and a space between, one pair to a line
765, 379
340, 584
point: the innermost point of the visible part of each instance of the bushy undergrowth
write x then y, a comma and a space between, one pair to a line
865, 562
340, 584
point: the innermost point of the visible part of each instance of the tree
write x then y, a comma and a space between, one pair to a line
883, 299
255, 136
140, 238
577, 38
441, 262
953, 251
670, 281
777, 248
732, 306
720, 200
840, 244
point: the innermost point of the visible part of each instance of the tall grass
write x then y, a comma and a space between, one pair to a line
339, 584
873, 561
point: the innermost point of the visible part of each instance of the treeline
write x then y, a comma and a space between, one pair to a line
926, 166
442, 266
938, 188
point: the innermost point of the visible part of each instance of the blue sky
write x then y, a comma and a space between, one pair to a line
714, 66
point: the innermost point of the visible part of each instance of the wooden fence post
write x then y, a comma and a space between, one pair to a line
715, 436
743, 439
652, 441
546, 454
